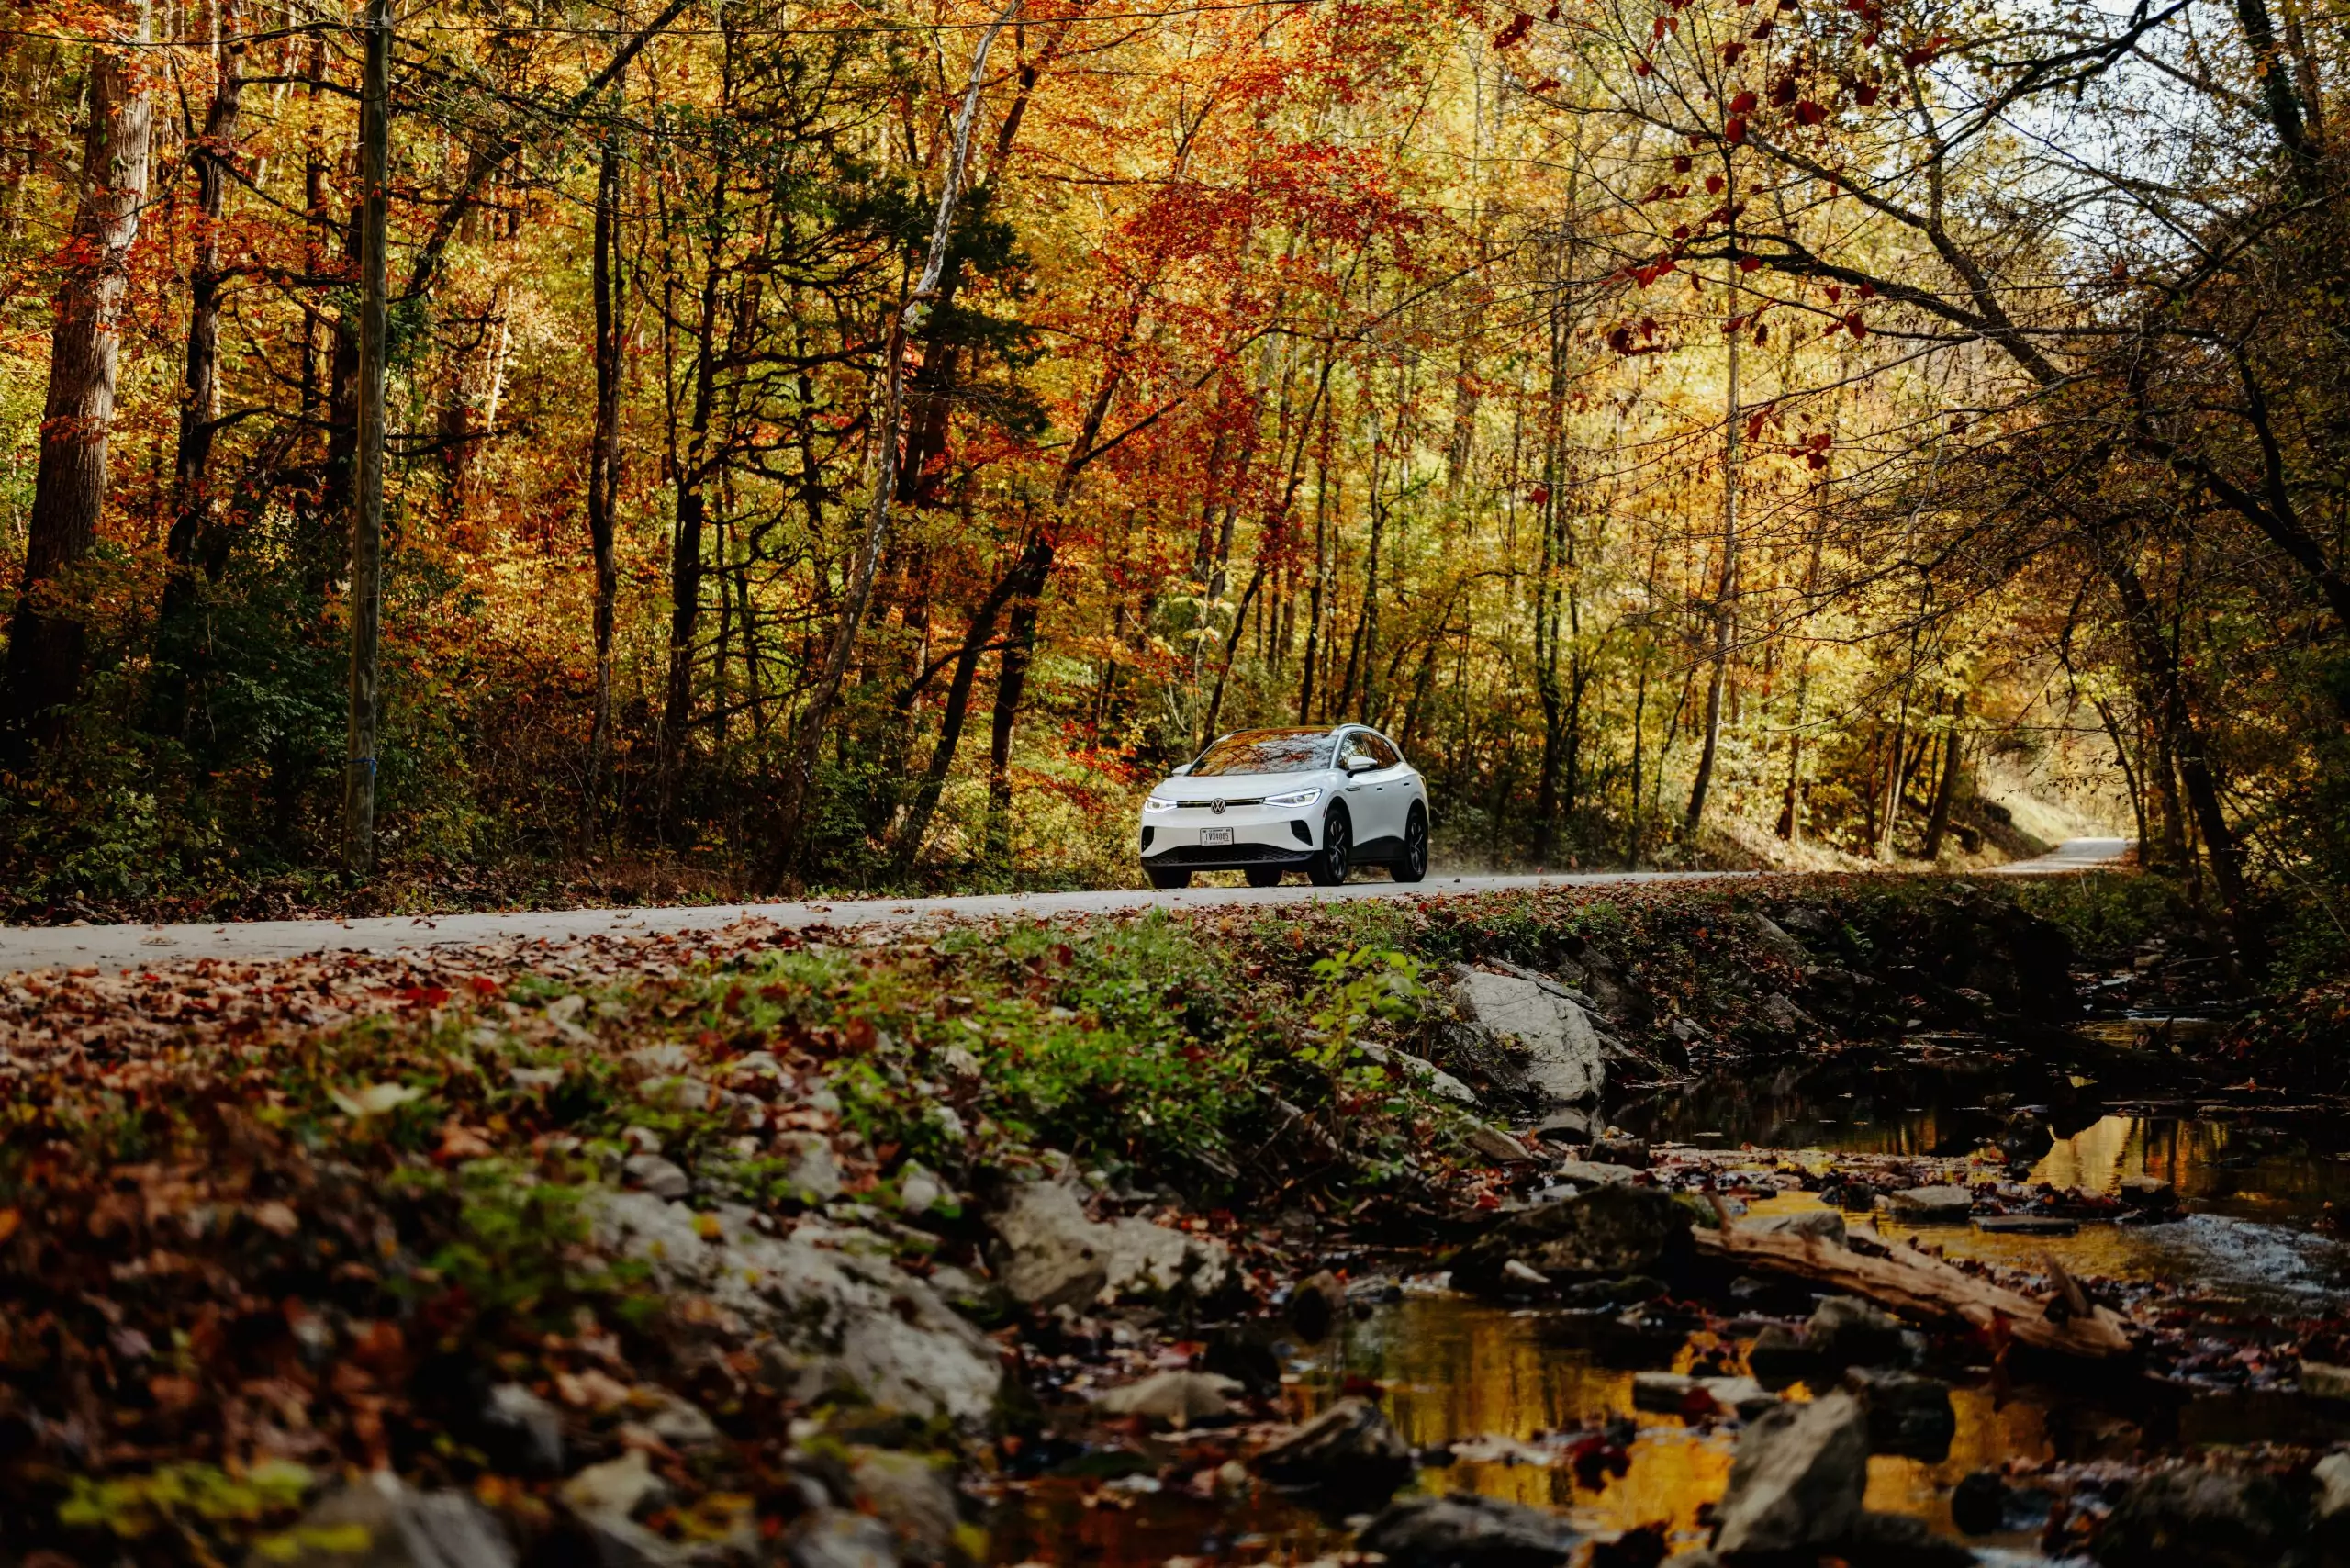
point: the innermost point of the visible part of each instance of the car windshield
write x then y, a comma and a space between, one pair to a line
1266, 751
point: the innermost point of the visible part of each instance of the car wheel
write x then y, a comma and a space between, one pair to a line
1413, 864
1328, 867
1163, 878
1263, 876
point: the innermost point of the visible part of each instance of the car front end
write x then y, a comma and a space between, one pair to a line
1232, 823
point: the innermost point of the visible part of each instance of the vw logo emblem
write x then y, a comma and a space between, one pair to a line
1216, 806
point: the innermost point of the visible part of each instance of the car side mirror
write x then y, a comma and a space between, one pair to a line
1359, 764
1180, 771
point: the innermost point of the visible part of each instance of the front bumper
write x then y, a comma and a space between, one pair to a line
1261, 835
1226, 857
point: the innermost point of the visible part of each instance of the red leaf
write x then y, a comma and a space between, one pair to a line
1538, 495
1866, 96
1809, 113
1868, 291
1835, 293
424, 996
1735, 131
1681, 163
1713, 185
1765, 29
1854, 325
1750, 264
1731, 51
1640, 66
1743, 104
1519, 25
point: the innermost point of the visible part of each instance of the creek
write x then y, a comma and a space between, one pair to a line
1535, 1406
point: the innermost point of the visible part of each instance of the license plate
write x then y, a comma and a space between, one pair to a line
1216, 835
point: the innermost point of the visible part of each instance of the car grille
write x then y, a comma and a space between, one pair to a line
1223, 855
1207, 805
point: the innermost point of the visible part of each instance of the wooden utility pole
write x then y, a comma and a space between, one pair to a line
367, 494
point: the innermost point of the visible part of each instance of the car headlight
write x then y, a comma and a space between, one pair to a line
1156, 804
1295, 798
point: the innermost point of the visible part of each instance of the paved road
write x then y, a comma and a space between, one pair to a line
122, 946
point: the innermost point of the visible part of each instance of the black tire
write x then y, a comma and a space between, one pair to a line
1413, 864
1166, 877
1333, 860
1262, 876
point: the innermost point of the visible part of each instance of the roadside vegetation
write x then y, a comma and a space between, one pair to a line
261, 1223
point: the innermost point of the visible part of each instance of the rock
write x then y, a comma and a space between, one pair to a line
1565, 1062
918, 1188
2201, 1519
1620, 1149
1517, 1273
1464, 1530
1778, 1356
1177, 1398
1498, 1145
1569, 1125
1593, 1172
1350, 1451
1978, 1503
382, 1522
838, 1538
1828, 1224
1846, 1331
683, 1424
1983, 1503
1782, 1015
1614, 1231
914, 1494
1776, 941
1674, 1394
1908, 1415
2331, 1475
1054, 1256
2147, 1194
1898, 1541
833, 1319
1796, 1479
2027, 1224
2321, 1379
1244, 1353
658, 1176
815, 1176
1420, 1072
617, 1489
1316, 1305
1930, 1205
524, 1431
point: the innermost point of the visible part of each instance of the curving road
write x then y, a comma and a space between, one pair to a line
123, 947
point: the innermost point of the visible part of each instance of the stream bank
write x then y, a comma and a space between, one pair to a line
1042, 1241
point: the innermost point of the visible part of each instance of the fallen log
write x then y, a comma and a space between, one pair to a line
1921, 1287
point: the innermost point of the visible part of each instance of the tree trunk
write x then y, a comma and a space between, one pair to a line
46, 638
808, 732
1946, 789
213, 155
196, 543
1728, 589
604, 472
957, 708
2195, 770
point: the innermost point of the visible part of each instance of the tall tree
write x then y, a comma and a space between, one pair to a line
48, 637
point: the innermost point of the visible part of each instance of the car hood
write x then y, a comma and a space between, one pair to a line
1240, 786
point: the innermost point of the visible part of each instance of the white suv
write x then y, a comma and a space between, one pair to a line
1265, 802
